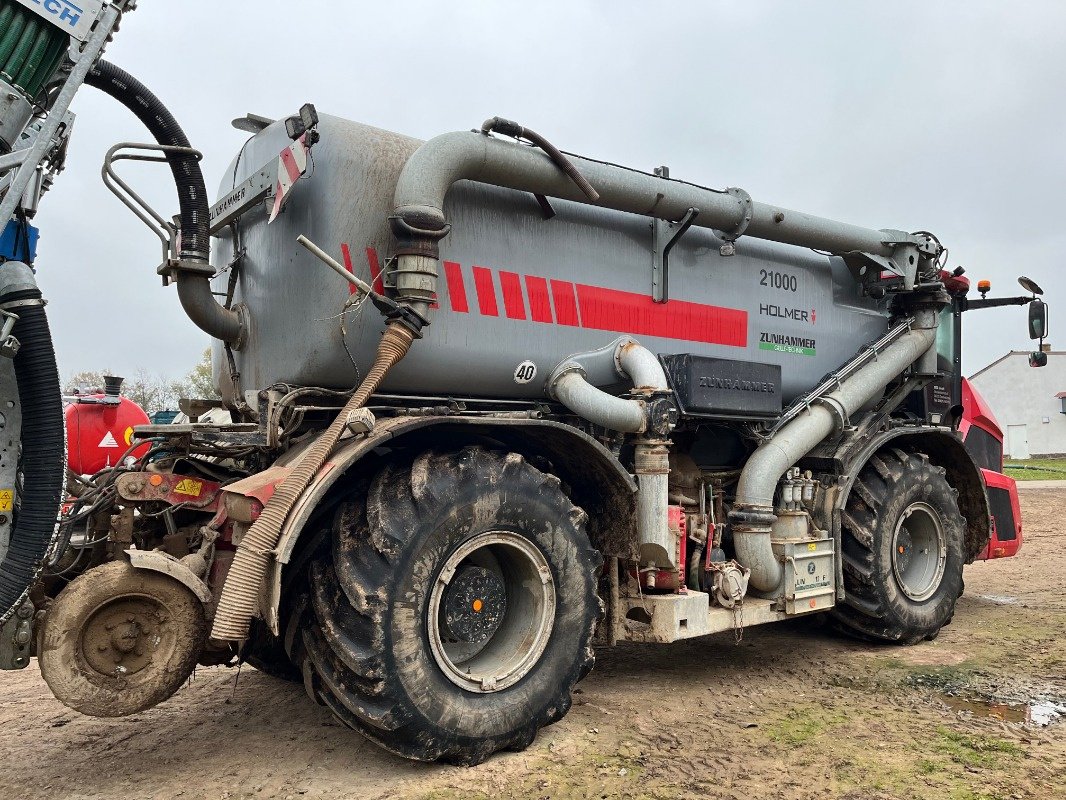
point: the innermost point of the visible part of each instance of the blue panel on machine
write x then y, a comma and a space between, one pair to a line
19, 242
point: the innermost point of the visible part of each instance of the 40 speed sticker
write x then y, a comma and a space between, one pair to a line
525, 372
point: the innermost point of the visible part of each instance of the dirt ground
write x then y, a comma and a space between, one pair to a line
791, 712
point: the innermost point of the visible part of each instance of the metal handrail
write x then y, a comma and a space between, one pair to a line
166, 231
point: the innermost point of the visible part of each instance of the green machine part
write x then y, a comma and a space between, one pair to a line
31, 49
31, 52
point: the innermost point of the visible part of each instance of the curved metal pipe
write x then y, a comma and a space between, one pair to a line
431, 170
641, 366
753, 512
203, 308
569, 386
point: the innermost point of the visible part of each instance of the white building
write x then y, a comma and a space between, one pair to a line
1027, 402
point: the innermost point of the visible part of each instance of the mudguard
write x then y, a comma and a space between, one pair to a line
596, 479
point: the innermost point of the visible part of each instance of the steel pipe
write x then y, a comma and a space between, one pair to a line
432, 170
753, 512
640, 366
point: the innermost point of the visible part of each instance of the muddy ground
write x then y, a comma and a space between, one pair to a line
790, 712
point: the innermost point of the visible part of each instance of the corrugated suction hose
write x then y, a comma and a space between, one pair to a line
240, 596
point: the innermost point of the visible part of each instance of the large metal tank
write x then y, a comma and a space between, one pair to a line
514, 287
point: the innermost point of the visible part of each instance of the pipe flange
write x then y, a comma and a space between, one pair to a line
841, 420
748, 206
563, 369
243, 324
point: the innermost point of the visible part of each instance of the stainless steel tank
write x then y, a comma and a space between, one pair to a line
516, 289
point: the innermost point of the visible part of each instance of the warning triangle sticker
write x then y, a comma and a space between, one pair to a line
108, 441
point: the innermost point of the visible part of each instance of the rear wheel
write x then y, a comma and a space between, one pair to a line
457, 610
903, 542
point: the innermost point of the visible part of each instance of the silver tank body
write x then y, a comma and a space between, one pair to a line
514, 287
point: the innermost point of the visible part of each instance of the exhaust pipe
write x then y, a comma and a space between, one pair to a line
569, 385
753, 512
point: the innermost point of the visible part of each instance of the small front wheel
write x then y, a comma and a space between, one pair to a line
457, 609
119, 640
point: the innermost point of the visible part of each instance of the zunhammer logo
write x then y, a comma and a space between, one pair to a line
784, 312
779, 343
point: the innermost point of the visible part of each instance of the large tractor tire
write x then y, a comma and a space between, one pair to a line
457, 609
903, 550
119, 640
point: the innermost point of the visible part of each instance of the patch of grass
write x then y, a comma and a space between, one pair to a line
974, 750
800, 725
1036, 469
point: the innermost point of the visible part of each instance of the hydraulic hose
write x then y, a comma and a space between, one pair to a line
194, 288
509, 128
43, 444
240, 595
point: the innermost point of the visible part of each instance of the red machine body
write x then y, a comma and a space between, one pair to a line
99, 432
984, 441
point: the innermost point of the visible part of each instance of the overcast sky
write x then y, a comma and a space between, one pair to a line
946, 116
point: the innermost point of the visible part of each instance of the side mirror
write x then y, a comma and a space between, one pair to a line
1037, 319
1038, 359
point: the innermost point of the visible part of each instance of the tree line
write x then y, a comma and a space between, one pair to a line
152, 392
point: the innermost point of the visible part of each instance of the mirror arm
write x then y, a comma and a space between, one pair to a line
966, 304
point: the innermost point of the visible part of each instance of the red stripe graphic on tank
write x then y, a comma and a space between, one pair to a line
453, 273
347, 255
513, 303
375, 270
629, 312
486, 292
540, 307
565, 304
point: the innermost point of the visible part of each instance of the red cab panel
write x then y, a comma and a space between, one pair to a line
1006, 538
984, 441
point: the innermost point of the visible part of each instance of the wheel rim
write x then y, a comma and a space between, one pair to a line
491, 611
919, 551
126, 636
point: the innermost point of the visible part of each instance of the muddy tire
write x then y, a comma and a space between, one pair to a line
118, 640
903, 550
457, 610
266, 653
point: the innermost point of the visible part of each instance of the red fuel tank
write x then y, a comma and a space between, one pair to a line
99, 432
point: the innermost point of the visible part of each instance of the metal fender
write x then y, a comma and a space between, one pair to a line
944, 448
596, 477
158, 561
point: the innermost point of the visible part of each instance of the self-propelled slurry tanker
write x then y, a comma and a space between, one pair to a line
485, 407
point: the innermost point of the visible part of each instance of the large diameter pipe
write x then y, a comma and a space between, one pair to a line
203, 309
651, 456
753, 510
614, 413
432, 170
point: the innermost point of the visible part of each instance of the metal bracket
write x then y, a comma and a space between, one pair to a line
167, 232
16, 636
9, 345
665, 235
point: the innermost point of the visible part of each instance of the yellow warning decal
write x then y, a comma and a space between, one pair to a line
7, 497
189, 487
812, 546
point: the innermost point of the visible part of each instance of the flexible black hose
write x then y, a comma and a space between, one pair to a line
43, 451
192, 192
